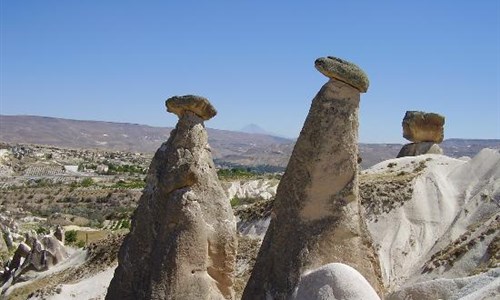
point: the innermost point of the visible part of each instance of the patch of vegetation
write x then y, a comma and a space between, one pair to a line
235, 202
463, 244
381, 194
130, 169
70, 236
256, 210
132, 184
80, 244
125, 224
235, 173
243, 201
421, 166
259, 169
87, 182
240, 173
42, 230
42, 183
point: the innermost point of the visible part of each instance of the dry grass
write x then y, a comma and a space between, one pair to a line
92, 236
248, 249
448, 256
381, 193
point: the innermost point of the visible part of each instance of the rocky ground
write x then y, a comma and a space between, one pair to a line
434, 219
92, 194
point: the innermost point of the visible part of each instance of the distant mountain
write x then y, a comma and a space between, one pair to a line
467, 147
231, 148
254, 128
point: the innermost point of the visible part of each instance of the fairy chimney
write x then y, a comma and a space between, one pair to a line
182, 244
317, 216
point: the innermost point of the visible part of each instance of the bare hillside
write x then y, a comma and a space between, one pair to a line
232, 148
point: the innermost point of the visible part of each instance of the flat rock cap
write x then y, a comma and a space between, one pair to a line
344, 71
419, 126
196, 104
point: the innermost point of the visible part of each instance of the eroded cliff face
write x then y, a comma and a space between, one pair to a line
316, 215
182, 244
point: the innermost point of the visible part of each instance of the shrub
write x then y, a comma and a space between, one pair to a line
421, 166
87, 182
70, 236
41, 230
130, 169
133, 184
235, 201
80, 244
126, 224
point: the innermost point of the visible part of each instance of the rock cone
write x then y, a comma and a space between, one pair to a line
59, 234
182, 242
316, 215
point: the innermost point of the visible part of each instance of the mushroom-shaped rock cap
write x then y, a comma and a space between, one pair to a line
344, 71
196, 104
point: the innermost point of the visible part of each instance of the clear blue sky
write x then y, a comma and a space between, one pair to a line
119, 60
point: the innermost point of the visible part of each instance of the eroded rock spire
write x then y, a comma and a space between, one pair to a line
316, 215
182, 244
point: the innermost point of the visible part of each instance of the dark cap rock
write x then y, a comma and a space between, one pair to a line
196, 104
344, 71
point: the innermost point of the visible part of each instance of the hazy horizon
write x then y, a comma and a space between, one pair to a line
404, 141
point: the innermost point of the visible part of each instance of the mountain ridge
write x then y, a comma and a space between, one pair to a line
232, 147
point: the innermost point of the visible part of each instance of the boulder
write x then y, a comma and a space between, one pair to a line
195, 104
3, 245
419, 127
9, 239
316, 218
334, 281
59, 234
415, 149
342, 70
22, 251
182, 243
45, 253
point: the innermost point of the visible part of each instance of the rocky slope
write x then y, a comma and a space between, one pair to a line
434, 220
447, 227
